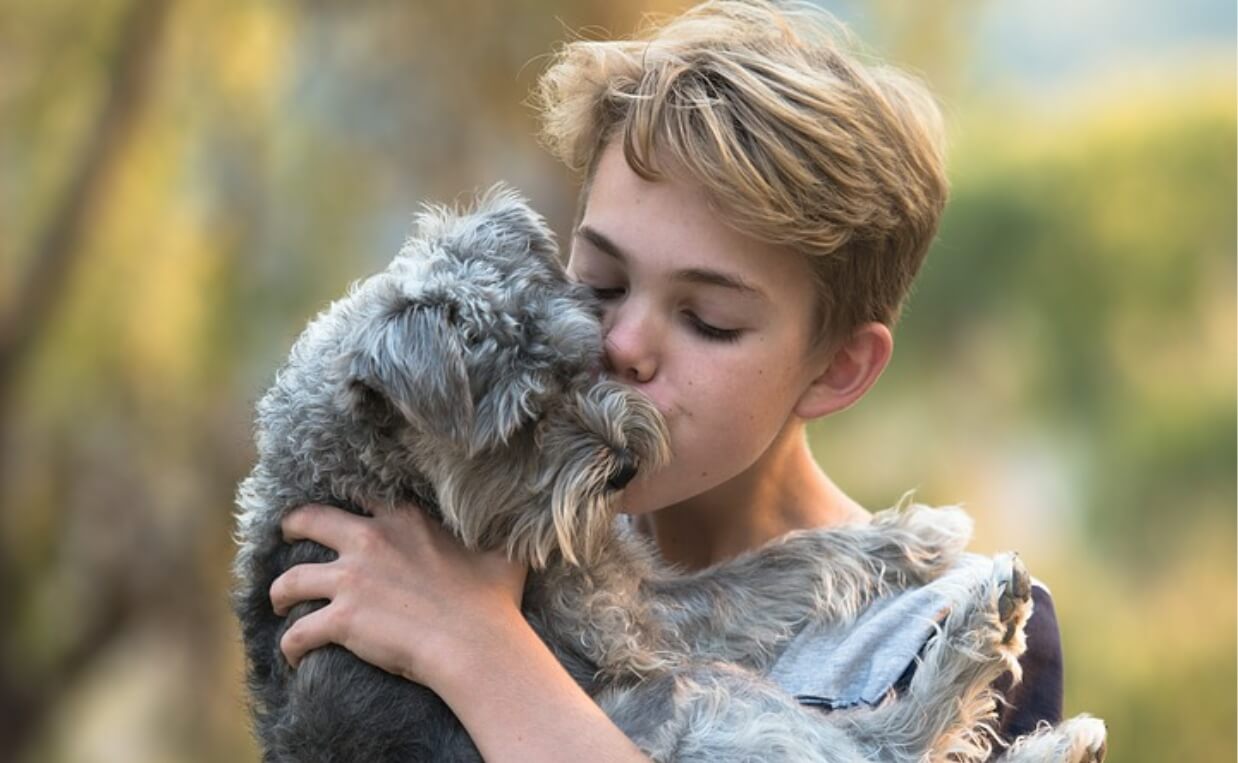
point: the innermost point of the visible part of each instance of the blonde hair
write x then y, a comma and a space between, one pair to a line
789, 134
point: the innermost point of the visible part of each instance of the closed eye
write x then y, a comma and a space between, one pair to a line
712, 333
606, 294
698, 326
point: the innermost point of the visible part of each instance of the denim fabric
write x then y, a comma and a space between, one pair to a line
836, 666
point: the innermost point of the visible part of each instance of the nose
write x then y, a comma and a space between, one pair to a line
625, 469
630, 344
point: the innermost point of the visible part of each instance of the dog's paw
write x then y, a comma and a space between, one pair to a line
1081, 739
1088, 737
1013, 585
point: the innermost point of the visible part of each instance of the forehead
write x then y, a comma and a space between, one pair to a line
672, 224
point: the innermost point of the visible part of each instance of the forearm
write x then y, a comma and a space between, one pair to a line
519, 704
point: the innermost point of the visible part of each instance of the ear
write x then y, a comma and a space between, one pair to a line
511, 404
412, 357
511, 225
849, 370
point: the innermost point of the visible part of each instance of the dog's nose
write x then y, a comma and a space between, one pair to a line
625, 469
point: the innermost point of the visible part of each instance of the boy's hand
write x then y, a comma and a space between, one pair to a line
404, 594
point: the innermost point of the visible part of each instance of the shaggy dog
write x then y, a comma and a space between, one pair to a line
466, 378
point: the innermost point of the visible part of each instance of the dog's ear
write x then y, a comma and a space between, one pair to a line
413, 359
511, 403
513, 225
499, 223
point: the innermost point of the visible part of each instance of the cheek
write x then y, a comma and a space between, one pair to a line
742, 393
723, 420
731, 416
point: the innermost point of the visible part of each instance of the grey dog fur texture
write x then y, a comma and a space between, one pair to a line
466, 378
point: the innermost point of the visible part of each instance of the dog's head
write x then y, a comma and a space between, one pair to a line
491, 358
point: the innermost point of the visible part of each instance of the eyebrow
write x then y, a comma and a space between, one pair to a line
704, 276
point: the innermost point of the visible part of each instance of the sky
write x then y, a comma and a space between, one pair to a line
1044, 44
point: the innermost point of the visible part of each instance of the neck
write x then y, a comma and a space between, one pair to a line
784, 490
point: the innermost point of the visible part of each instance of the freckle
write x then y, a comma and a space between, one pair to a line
704, 474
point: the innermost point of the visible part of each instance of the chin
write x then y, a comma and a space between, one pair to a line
640, 499
635, 501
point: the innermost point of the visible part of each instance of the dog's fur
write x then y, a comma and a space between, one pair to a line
466, 378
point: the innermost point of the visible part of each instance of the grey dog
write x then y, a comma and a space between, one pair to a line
466, 378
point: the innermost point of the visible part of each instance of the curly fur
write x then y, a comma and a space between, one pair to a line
465, 378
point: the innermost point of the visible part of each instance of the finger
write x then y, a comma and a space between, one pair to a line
404, 519
303, 582
388, 509
327, 525
308, 633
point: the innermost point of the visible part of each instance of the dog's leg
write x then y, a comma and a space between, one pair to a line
709, 713
1078, 740
743, 611
944, 712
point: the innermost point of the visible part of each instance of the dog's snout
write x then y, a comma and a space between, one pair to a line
625, 469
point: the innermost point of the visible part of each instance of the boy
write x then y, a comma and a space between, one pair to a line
756, 204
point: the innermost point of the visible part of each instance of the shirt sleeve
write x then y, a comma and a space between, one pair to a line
1038, 697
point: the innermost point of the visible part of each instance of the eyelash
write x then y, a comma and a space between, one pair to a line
702, 328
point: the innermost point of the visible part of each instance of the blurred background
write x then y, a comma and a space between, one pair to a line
183, 183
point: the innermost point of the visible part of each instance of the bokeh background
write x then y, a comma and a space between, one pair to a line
184, 182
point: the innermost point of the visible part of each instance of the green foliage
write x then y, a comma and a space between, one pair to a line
1101, 254
1109, 250
1066, 369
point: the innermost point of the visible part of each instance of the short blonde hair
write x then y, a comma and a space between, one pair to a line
771, 111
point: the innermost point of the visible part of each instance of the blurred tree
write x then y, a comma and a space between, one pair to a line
1112, 253
25, 702
38, 293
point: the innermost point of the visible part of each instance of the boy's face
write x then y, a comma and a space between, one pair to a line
710, 324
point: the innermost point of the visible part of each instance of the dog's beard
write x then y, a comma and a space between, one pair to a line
581, 509
584, 505
532, 515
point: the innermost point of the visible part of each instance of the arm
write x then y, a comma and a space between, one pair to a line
519, 704
406, 597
